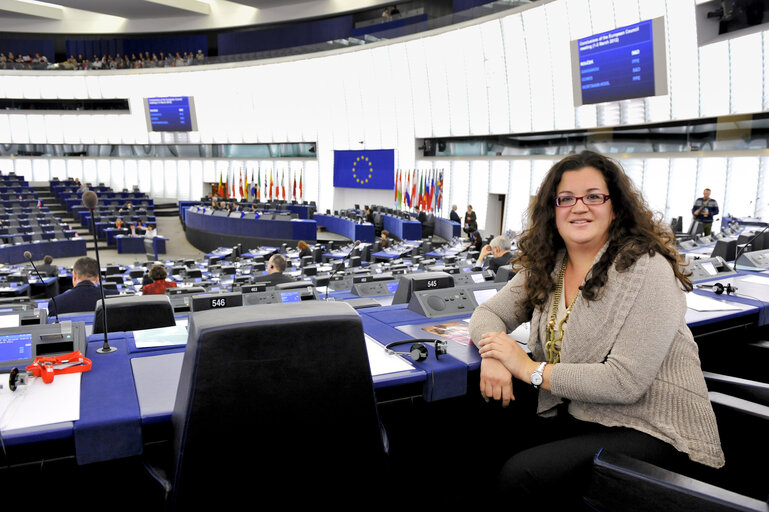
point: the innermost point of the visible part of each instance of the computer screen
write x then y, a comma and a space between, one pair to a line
290, 297
9, 320
15, 346
171, 114
623, 63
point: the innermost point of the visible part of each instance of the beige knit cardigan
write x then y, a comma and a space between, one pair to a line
627, 359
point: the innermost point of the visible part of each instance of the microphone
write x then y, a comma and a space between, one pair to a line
90, 200
28, 255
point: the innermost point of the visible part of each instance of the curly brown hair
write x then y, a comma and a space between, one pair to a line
633, 232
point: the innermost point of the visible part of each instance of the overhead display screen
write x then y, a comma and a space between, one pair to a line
624, 63
171, 114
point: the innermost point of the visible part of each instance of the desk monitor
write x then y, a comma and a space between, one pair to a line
19, 346
9, 320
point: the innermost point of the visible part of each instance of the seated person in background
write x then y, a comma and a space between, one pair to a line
119, 224
454, 215
214, 202
150, 232
369, 216
420, 214
47, 267
85, 289
159, 284
275, 268
304, 249
476, 243
384, 242
500, 247
139, 228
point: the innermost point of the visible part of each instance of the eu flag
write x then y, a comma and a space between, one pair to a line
365, 169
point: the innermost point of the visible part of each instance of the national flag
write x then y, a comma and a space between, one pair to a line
245, 186
39, 203
283, 184
432, 192
227, 186
408, 187
293, 194
271, 184
301, 194
439, 196
220, 190
258, 192
414, 190
233, 183
420, 201
240, 184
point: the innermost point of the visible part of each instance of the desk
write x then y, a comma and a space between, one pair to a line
447, 229
207, 231
127, 244
347, 227
401, 228
10, 254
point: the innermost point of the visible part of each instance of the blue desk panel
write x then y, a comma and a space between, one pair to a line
10, 254
447, 229
403, 229
347, 227
135, 244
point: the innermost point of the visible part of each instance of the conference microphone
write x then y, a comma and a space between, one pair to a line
90, 200
746, 244
28, 255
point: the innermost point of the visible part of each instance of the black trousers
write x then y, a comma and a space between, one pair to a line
553, 462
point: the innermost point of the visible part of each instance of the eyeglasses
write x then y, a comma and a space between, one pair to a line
593, 199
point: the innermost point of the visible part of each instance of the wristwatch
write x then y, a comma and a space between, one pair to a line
536, 377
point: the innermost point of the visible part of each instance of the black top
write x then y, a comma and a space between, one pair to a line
273, 279
49, 270
471, 221
455, 216
82, 297
501, 261
305, 252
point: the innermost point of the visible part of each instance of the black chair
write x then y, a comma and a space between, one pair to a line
134, 313
623, 483
275, 396
378, 224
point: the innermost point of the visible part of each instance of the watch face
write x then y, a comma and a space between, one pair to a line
536, 378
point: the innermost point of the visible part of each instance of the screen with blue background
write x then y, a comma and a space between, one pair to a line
618, 64
365, 169
15, 346
170, 114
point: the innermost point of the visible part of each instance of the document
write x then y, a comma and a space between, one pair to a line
702, 303
381, 362
38, 403
161, 337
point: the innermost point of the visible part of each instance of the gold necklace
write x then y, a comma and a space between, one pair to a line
553, 340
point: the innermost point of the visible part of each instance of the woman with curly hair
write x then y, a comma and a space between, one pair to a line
614, 362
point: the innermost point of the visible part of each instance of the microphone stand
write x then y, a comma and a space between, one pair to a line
90, 203
28, 255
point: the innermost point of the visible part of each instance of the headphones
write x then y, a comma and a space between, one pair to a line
418, 352
719, 288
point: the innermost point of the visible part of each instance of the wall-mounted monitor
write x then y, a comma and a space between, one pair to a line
620, 64
171, 114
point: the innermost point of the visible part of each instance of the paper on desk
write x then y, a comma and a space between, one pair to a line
702, 303
161, 337
521, 333
381, 362
756, 279
38, 403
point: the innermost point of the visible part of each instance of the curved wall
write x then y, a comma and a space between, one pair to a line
493, 76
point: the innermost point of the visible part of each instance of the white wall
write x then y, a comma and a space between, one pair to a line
509, 74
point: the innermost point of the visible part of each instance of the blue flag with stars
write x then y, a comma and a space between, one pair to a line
365, 169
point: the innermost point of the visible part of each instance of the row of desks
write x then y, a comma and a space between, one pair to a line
145, 378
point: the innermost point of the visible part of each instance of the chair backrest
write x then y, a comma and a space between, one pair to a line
134, 313
279, 396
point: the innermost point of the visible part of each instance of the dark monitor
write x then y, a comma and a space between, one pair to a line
194, 272
727, 250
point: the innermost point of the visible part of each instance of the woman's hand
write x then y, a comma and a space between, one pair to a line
496, 382
501, 347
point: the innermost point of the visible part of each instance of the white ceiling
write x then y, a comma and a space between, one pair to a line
142, 16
